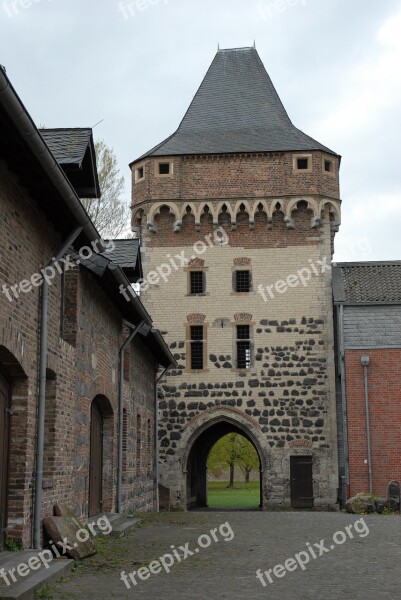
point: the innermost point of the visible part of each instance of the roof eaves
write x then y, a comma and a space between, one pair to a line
29, 133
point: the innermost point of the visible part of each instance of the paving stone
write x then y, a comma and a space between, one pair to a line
362, 568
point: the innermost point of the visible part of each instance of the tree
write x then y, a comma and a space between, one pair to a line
233, 449
110, 213
249, 458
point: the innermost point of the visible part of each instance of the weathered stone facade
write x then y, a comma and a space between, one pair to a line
217, 214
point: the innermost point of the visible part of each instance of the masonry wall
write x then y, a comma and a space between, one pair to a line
385, 419
373, 331
287, 397
234, 176
82, 365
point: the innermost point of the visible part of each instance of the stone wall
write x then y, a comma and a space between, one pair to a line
285, 401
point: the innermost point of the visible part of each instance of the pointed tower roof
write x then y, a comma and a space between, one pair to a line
236, 109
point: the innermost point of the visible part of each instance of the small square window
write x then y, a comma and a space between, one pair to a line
302, 164
139, 173
164, 168
242, 281
329, 166
197, 282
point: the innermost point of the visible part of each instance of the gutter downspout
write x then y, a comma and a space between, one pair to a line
37, 511
344, 399
134, 330
156, 440
365, 360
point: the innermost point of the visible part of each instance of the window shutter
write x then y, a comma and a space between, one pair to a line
204, 282
235, 281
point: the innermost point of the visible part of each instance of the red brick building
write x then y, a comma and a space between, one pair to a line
78, 358
367, 299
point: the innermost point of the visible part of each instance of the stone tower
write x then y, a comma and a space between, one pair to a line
237, 213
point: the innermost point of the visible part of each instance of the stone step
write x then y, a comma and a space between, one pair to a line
24, 588
121, 523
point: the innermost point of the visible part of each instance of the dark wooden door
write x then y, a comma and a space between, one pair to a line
96, 461
4, 445
301, 482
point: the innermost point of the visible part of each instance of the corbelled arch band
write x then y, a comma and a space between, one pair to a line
233, 208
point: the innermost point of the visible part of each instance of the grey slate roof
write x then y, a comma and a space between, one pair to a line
68, 146
125, 253
367, 282
236, 109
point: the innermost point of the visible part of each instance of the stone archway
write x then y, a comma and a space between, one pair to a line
213, 426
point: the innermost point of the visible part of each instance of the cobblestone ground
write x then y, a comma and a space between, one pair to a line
360, 568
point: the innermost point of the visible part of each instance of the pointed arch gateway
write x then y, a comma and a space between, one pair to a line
217, 424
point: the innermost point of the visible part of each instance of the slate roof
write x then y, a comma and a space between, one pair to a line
236, 109
125, 253
68, 146
367, 282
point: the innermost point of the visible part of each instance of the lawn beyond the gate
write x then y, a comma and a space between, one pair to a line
242, 495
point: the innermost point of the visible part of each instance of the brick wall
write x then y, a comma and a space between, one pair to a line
82, 365
234, 176
385, 418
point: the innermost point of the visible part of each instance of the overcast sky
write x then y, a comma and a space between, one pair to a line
336, 65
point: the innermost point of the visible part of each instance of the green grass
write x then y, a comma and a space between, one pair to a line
240, 496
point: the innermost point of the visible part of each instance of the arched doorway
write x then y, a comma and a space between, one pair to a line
96, 460
199, 449
5, 400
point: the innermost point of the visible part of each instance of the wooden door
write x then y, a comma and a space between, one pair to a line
4, 448
96, 461
301, 482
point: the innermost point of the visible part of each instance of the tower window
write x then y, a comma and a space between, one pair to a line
164, 168
328, 166
243, 347
139, 174
197, 282
196, 347
242, 281
303, 163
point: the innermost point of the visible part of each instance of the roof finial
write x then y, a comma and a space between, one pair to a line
218, 46
254, 43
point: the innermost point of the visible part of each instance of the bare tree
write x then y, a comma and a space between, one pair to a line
111, 212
